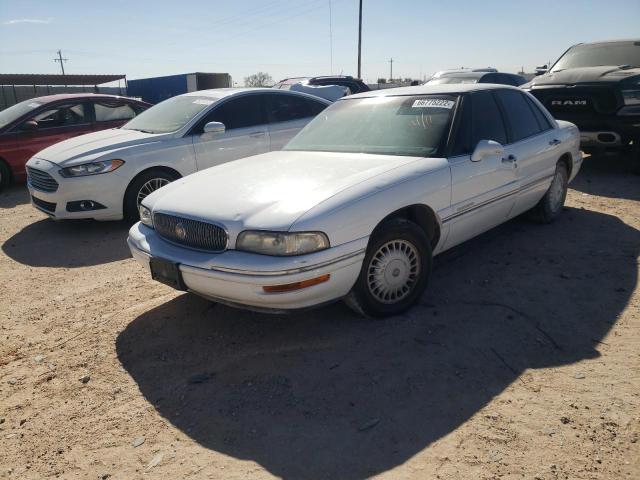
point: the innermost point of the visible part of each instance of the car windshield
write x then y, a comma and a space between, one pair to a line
14, 112
456, 79
599, 54
393, 125
170, 115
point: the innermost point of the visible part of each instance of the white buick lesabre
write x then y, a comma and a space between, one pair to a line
357, 204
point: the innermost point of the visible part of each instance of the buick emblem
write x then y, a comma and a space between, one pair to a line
180, 231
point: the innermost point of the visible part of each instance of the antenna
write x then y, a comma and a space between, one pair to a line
61, 60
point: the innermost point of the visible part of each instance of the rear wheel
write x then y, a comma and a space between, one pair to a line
5, 175
550, 206
142, 186
395, 270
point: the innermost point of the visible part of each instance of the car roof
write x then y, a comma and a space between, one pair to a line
450, 88
604, 42
219, 93
66, 96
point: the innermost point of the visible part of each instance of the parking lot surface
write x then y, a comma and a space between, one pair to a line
521, 361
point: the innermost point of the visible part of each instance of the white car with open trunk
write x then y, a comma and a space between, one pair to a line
356, 204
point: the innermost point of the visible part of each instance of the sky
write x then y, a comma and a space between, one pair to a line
289, 38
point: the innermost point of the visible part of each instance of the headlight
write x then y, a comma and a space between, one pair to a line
281, 244
631, 97
93, 168
145, 216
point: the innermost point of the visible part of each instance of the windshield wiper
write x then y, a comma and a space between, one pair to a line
140, 130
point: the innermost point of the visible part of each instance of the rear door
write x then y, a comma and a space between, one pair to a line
287, 114
533, 147
112, 113
246, 131
483, 192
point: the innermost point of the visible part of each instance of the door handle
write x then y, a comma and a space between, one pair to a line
554, 142
509, 159
256, 134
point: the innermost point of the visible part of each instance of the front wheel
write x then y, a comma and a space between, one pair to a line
143, 185
395, 270
550, 206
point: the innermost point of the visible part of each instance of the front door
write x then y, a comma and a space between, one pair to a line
482, 192
245, 133
53, 124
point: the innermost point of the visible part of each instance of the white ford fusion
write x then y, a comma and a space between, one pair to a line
356, 205
104, 175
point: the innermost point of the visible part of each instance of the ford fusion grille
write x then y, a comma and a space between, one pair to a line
41, 180
190, 233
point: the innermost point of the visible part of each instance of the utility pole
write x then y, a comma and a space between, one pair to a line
360, 42
391, 73
61, 60
330, 41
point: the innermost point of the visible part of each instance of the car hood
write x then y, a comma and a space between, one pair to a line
94, 145
585, 75
271, 190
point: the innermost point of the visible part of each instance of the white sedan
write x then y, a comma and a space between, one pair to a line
357, 204
104, 175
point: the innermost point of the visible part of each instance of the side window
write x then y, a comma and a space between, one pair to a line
61, 116
487, 123
519, 115
462, 144
112, 111
490, 78
242, 112
283, 108
543, 121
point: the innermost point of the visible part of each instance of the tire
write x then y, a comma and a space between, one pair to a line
5, 175
140, 187
404, 251
550, 206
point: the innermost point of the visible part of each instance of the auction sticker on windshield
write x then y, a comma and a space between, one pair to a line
433, 103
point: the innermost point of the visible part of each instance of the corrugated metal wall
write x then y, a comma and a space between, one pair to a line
10, 94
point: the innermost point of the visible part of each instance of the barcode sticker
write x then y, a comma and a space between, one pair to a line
433, 103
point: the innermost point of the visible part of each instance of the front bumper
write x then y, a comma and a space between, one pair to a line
237, 278
106, 189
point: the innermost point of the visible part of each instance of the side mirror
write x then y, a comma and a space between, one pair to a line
542, 70
487, 148
214, 127
29, 126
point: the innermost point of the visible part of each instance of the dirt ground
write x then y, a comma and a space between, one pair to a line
522, 361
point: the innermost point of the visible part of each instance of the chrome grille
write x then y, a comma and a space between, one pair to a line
41, 180
190, 233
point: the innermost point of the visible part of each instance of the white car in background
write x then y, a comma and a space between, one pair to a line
104, 175
356, 205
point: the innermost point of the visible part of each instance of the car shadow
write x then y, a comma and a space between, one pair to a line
609, 175
327, 394
14, 195
69, 243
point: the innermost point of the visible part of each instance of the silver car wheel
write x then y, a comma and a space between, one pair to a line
393, 271
150, 187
